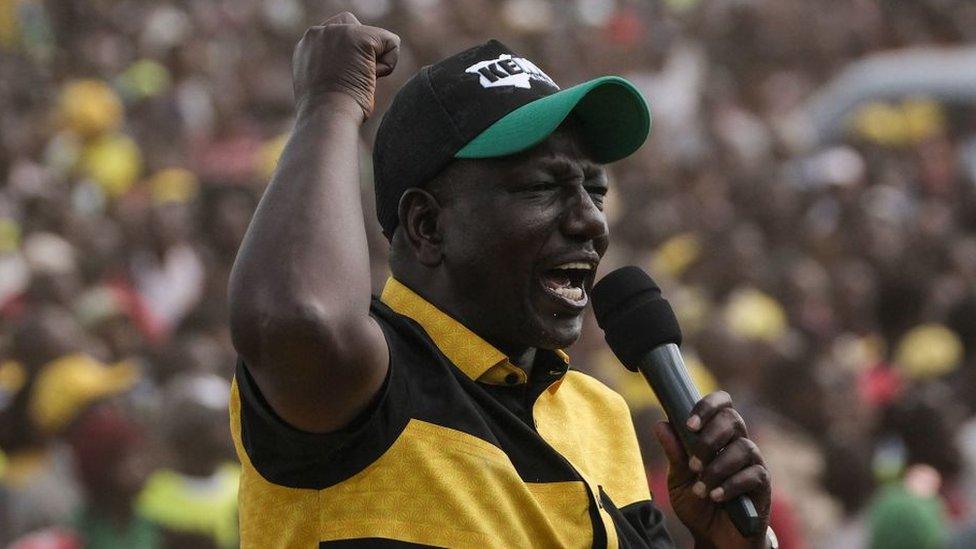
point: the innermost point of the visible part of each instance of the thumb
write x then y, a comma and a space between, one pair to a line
386, 56
680, 473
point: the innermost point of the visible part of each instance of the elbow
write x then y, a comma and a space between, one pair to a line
259, 325
246, 321
271, 321
256, 311
305, 328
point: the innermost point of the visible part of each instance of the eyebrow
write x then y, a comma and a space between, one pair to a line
562, 164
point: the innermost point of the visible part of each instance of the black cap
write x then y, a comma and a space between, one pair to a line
487, 101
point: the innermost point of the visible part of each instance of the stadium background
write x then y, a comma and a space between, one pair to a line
810, 216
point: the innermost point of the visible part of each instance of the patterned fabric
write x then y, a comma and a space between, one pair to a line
460, 448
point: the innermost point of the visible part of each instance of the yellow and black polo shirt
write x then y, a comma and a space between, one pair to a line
459, 449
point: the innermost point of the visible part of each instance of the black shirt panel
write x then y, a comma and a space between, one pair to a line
445, 396
421, 383
639, 525
288, 456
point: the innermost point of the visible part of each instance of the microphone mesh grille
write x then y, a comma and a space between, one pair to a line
634, 315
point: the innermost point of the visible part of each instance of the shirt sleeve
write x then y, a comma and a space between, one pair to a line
288, 456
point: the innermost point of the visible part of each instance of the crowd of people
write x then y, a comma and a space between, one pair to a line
826, 279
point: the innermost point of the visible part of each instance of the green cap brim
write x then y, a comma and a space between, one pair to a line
613, 116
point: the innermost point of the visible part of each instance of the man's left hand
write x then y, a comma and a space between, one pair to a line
723, 465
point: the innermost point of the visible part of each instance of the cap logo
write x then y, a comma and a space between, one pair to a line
508, 71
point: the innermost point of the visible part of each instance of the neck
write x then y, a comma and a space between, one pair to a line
524, 359
441, 296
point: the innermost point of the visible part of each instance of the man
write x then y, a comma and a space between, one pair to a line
444, 413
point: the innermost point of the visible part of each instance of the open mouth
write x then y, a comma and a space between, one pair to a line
568, 282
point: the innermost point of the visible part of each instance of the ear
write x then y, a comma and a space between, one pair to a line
419, 213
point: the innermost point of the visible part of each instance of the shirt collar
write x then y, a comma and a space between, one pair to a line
474, 356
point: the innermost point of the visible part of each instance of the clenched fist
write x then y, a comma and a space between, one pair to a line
342, 56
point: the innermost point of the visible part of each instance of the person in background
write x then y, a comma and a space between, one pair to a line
194, 500
38, 482
114, 459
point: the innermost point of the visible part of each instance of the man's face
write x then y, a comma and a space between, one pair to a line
522, 238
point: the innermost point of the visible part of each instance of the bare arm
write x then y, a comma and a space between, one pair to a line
300, 287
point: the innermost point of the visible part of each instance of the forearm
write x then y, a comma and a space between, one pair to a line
305, 250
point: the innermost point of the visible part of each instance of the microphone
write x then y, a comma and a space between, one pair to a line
642, 331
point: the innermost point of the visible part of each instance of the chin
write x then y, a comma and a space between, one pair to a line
558, 333
549, 325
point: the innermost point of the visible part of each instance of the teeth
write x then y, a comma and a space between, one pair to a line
570, 292
575, 265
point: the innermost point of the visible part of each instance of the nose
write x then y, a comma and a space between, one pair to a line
583, 219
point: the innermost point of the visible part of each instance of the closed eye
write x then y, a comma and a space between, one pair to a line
542, 186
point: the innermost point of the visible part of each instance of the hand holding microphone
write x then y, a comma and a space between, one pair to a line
722, 493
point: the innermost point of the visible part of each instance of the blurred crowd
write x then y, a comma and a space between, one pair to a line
823, 271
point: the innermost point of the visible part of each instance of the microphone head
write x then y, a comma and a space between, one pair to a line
634, 315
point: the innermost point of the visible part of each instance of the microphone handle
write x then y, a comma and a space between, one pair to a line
665, 371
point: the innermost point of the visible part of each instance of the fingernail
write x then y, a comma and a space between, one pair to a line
695, 464
699, 489
717, 493
694, 422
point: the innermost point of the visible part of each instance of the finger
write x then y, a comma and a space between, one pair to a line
305, 35
716, 434
752, 479
344, 18
708, 407
737, 456
675, 453
387, 53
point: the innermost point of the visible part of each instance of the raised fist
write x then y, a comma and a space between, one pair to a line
342, 56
